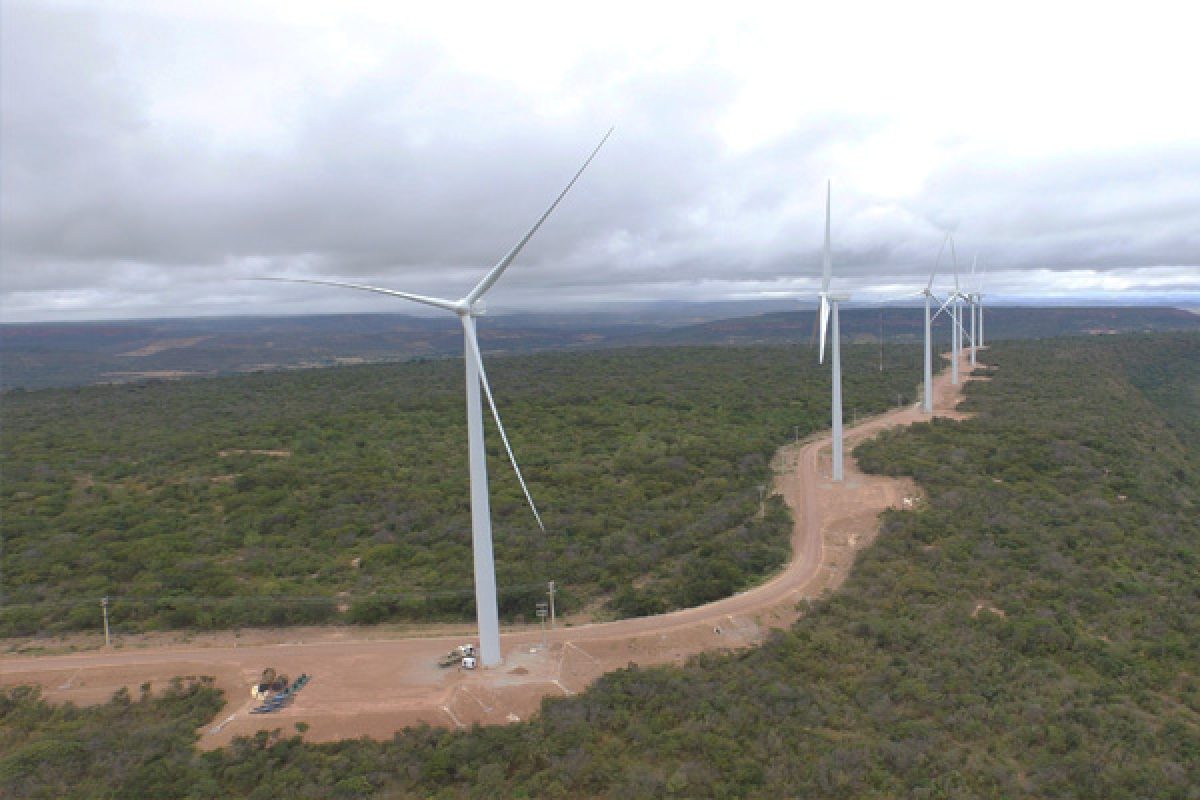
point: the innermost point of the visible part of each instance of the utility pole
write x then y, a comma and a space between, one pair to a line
104, 605
762, 500
541, 612
796, 429
551, 592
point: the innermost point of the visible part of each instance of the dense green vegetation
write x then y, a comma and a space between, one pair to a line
1167, 371
143, 746
341, 494
1032, 631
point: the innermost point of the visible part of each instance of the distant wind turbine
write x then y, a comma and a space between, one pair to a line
829, 309
467, 308
977, 298
973, 300
948, 306
927, 402
956, 319
979, 295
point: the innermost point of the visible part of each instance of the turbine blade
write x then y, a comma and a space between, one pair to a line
437, 302
943, 307
487, 390
498, 270
824, 326
954, 257
826, 255
941, 250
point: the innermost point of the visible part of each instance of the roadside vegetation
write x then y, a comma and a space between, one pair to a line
1032, 630
340, 495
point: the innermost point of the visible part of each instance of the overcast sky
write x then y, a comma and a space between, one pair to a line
155, 155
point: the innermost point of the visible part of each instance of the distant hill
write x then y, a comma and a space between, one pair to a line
41, 355
68, 354
72, 354
907, 325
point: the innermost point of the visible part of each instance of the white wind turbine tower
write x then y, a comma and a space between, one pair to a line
467, 308
829, 307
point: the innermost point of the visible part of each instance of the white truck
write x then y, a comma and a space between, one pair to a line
463, 655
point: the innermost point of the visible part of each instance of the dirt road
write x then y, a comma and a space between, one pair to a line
375, 687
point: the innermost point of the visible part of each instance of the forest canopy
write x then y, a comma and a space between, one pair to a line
341, 494
1031, 630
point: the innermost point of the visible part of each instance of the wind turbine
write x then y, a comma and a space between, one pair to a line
973, 299
467, 308
829, 308
927, 292
979, 305
930, 299
956, 320
981, 340
948, 306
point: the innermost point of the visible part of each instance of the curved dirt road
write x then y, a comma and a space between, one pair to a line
376, 687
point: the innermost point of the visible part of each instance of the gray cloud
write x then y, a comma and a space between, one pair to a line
418, 175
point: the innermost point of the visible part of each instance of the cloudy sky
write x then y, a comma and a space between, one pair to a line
156, 155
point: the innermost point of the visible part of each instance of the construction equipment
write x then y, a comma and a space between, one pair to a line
274, 700
455, 657
269, 681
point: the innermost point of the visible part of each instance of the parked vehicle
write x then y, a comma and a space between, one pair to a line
455, 657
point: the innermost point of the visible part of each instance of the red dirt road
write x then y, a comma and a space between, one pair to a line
375, 687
